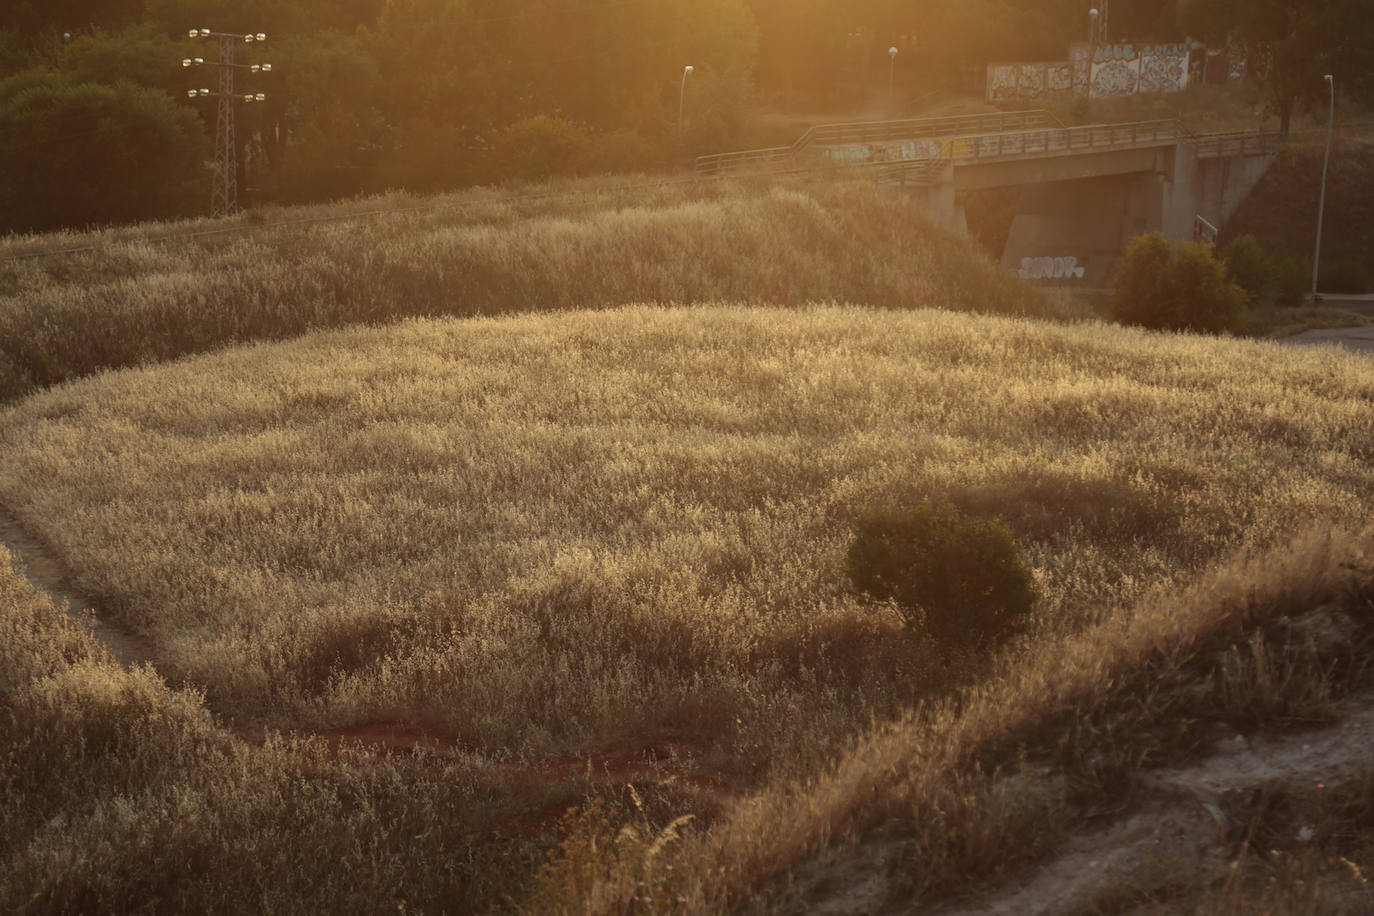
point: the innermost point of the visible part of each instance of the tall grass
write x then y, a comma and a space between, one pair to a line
135, 300
955, 796
545, 533
118, 795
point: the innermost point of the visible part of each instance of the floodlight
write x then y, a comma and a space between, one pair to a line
191, 93
204, 33
195, 33
261, 97
262, 36
204, 93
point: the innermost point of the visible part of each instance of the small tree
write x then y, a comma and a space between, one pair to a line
1178, 287
962, 579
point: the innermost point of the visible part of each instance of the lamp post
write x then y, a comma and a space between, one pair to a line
682, 96
1321, 204
891, 69
1092, 26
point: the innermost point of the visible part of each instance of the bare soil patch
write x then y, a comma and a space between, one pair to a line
47, 574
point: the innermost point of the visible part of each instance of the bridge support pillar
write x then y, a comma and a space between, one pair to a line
940, 202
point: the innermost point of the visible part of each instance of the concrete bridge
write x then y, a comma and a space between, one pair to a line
1085, 192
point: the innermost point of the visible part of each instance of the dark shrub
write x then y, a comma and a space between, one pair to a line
1249, 266
1292, 278
1178, 287
961, 578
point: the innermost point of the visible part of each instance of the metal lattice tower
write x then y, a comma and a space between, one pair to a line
224, 194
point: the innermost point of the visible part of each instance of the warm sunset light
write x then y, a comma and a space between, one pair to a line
692, 457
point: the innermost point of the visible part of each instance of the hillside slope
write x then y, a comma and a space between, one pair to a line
130, 297
520, 545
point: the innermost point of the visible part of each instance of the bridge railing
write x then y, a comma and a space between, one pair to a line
1059, 140
1235, 143
857, 132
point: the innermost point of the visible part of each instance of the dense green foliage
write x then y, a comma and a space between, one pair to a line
1304, 41
77, 153
1177, 287
373, 95
961, 580
1280, 278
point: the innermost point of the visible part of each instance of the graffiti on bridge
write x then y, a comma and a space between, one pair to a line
1065, 268
896, 151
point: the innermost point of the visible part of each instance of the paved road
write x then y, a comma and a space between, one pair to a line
1360, 305
1361, 340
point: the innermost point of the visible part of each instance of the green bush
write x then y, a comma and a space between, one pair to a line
1249, 266
1178, 287
540, 148
1292, 278
961, 579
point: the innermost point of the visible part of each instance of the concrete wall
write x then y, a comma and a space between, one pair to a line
1092, 220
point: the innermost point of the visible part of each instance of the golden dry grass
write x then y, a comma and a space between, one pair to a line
543, 532
137, 297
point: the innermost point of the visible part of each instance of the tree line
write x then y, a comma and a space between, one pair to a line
367, 95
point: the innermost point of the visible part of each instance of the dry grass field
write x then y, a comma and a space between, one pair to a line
132, 296
560, 553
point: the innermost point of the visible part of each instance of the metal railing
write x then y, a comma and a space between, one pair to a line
1063, 140
1235, 143
856, 132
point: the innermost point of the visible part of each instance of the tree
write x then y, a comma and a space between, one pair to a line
78, 154
1301, 40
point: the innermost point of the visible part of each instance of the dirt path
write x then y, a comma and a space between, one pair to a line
1178, 831
47, 574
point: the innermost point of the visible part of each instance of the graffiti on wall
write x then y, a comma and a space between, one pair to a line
1059, 78
1163, 68
1107, 71
1066, 268
1126, 69
1029, 82
1081, 63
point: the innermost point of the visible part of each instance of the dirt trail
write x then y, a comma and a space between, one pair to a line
1178, 830
47, 574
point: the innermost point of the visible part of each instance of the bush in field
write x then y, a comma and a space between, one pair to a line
539, 148
1249, 266
962, 579
1178, 287
1292, 278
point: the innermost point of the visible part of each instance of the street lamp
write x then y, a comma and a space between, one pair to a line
1321, 205
891, 69
682, 95
1092, 26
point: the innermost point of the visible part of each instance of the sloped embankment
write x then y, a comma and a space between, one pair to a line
134, 300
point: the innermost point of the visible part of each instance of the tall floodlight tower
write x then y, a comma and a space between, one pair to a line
224, 195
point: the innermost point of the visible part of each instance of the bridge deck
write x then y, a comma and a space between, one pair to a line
979, 139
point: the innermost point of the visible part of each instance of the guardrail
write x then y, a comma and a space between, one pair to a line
1061, 140
878, 132
1235, 143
